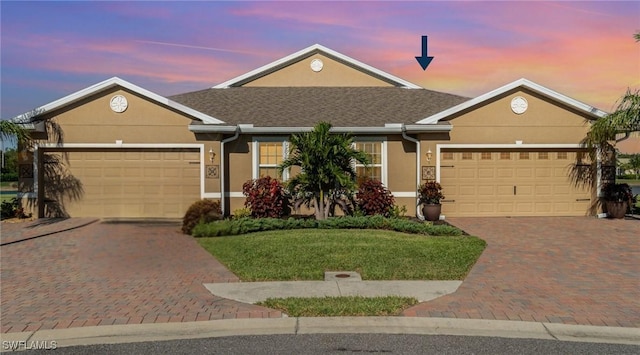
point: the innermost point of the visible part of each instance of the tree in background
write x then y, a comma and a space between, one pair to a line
605, 132
326, 162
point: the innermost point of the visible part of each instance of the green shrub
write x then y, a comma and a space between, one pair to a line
9, 176
201, 211
13, 209
249, 225
241, 213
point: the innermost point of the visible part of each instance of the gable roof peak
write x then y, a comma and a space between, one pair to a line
520, 83
306, 52
108, 84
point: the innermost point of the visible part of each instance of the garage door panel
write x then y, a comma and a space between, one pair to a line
523, 172
135, 183
542, 186
524, 190
486, 191
505, 207
504, 190
504, 172
467, 190
544, 172
486, 173
467, 173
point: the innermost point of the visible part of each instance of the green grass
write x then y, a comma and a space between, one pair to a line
7, 185
7, 197
628, 181
340, 306
375, 254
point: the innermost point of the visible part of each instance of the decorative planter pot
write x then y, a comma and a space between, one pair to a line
616, 209
431, 212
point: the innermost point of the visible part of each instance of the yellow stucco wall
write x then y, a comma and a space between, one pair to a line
333, 73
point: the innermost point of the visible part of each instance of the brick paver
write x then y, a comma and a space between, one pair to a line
112, 274
568, 270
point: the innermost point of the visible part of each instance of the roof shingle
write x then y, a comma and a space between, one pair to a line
305, 106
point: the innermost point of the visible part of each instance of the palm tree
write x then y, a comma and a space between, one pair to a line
11, 129
326, 162
603, 135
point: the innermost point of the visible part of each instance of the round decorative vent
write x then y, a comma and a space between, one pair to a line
316, 65
519, 105
118, 103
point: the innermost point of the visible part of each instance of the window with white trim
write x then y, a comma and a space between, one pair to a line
375, 150
268, 155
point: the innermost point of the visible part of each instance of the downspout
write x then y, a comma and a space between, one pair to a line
417, 142
223, 206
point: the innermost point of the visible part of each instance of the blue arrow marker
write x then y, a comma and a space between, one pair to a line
424, 60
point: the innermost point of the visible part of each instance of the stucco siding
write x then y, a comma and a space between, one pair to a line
92, 121
333, 73
544, 122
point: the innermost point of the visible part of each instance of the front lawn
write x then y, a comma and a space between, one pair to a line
289, 255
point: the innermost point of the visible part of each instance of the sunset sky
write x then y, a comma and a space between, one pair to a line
584, 50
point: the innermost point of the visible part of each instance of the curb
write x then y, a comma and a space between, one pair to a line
130, 333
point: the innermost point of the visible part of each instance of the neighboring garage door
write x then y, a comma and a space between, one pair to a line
134, 183
511, 183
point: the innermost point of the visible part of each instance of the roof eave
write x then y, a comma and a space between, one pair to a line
250, 129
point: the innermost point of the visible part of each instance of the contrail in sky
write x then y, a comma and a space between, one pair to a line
195, 47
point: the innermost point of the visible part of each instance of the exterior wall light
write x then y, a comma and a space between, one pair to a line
429, 154
212, 155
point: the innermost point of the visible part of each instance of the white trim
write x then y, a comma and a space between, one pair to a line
110, 83
219, 195
255, 156
304, 53
127, 145
375, 139
515, 146
250, 129
581, 106
403, 194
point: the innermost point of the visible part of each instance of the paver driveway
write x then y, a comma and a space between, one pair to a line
112, 274
561, 269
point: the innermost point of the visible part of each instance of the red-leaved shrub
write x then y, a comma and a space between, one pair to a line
203, 210
374, 198
266, 197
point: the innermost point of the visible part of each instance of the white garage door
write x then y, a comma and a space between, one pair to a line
511, 183
131, 183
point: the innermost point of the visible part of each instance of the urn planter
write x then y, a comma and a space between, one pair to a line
431, 212
616, 209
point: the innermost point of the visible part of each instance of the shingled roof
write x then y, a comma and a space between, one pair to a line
305, 106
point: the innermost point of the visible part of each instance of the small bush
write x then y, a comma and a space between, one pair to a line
249, 225
9, 176
266, 197
374, 198
241, 213
13, 209
201, 211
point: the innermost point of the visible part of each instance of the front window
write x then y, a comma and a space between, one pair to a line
270, 154
375, 152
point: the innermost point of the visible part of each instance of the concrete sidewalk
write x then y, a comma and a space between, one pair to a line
117, 334
252, 292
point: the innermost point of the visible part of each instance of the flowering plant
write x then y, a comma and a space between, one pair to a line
430, 193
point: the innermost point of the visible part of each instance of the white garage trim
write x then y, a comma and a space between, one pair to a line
439, 147
219, 195
120, 145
